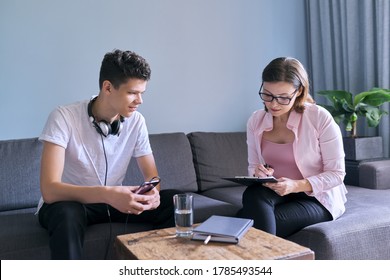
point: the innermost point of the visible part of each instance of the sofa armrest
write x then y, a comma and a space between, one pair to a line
375, 175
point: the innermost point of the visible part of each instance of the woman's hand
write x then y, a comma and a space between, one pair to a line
263, 171
285, 186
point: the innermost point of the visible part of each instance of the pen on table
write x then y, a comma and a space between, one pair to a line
207, 240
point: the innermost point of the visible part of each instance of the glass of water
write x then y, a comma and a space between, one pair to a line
184, 215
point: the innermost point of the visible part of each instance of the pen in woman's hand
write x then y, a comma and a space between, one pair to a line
266, 169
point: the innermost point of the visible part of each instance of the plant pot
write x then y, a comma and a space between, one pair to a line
361, 148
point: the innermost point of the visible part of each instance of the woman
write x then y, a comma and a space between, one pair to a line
300, 144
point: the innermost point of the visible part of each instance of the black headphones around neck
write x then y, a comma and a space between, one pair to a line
102, 127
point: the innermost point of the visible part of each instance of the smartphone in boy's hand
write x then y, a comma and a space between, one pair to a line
147, 186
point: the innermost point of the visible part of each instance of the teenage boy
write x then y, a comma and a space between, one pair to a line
87, 147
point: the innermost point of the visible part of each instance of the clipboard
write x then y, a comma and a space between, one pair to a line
249, 181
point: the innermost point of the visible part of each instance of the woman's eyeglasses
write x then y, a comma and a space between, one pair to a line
280, 99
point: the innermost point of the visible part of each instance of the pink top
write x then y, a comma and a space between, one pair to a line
317, 148
281, 158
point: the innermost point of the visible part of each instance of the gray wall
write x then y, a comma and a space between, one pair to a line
206, 57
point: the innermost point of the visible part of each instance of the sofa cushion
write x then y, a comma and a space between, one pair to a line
375, 174
362, 232
19, 176
232, 195
25, 239
217, 155
204, 207
172, 153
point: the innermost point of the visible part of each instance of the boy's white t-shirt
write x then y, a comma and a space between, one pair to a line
69, 127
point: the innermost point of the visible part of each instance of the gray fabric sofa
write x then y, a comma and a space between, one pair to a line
192, 163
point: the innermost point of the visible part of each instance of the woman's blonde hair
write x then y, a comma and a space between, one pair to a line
290, 70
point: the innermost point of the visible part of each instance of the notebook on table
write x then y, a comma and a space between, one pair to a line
222, 229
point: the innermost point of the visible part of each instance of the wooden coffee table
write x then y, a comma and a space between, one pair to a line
164, 245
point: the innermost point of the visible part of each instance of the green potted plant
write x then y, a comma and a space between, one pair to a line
346, 109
